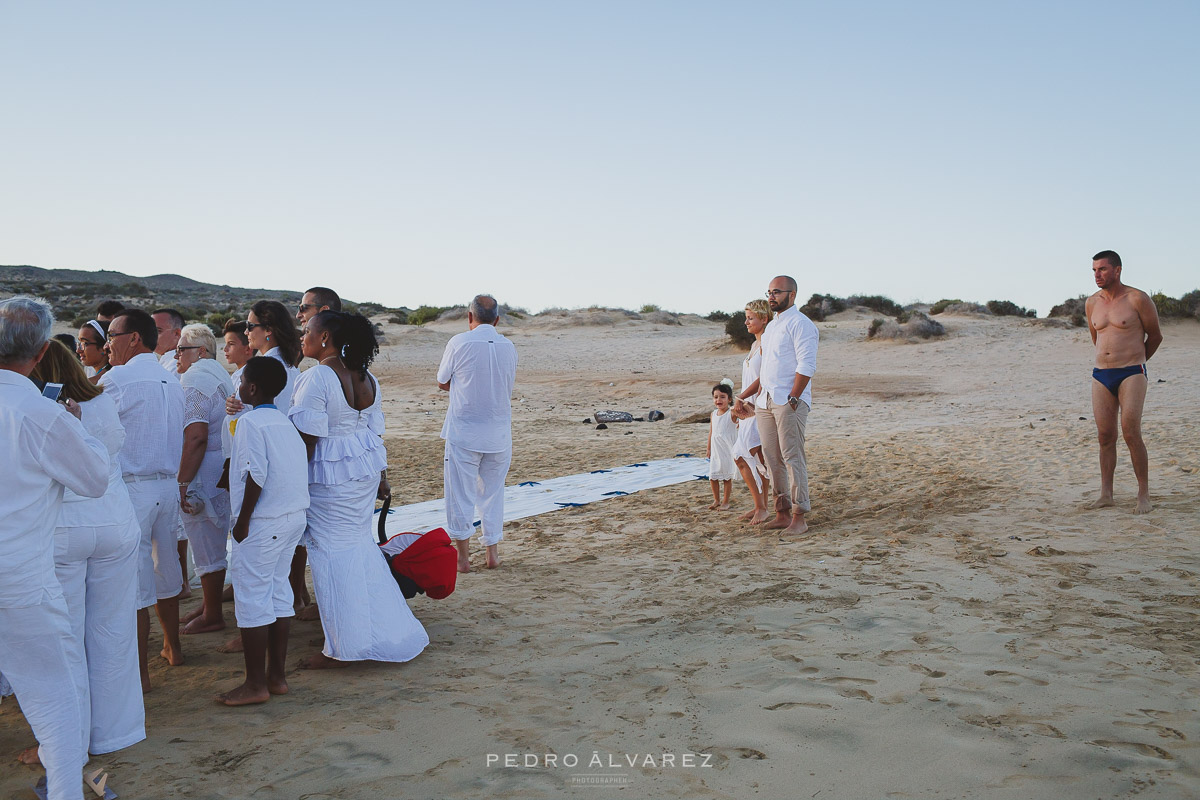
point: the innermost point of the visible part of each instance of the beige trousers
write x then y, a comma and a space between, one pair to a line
782, 433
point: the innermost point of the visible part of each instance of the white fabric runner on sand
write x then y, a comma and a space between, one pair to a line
531, 498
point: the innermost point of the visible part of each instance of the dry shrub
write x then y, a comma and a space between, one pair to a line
735, 328
918, 326
965, 308
662, 318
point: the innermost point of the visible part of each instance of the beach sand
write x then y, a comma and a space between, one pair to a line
953, 626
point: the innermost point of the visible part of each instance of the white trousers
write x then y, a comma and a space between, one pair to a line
474, 482
97, 568
156, 503
208, 543
260, 568
42, 660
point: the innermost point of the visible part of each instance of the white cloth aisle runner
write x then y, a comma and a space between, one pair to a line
531, 498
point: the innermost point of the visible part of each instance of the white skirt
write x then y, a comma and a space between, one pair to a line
363, 613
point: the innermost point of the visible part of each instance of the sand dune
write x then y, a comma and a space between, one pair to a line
955, 626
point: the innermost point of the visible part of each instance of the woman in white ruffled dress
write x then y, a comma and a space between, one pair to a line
206, 386
337, 409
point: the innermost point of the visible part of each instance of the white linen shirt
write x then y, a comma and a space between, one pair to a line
43, 449
150, 404
283, 400
268, 448
789, 348
481, 366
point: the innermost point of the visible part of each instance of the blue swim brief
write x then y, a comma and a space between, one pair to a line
1112, 378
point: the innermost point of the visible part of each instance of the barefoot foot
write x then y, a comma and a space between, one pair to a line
200, 625
760, 516
464, 566
234, 645
1143, 505
243, 696
30, 756
493, 556
195, 613
174, 657
797, 528
1103, 501
714, 506
277, 687
780, 522
749, 515
310, 613
321, 661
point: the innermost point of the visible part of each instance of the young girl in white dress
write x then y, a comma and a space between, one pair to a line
337, 409
722, 435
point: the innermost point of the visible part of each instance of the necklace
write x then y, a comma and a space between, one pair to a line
326, 358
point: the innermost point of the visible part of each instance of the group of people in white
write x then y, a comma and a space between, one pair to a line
759, 431
153, 445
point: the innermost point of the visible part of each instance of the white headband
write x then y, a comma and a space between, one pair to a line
99, 329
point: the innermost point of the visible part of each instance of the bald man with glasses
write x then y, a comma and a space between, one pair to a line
789, 360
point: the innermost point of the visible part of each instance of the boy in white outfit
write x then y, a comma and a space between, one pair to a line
268, 495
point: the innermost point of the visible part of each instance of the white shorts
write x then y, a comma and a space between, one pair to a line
260, 567
156, 503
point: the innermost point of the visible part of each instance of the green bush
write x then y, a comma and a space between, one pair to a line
876, 302
941, 305
1172, 308
649, 308
1007, 308
735, 328
1070, 307
717, 316
425, 314
876, 324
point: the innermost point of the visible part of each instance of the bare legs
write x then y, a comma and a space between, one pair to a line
464, 561
758, 514
168, 619
209, 616
719, 504
1127, 406
265, 654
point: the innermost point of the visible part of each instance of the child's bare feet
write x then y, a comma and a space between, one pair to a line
193, 614
29, 756
243, 696
234, 645
310, 613
198, 625
723, 507
277, 686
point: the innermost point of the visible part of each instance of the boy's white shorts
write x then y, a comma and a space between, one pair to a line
259, 569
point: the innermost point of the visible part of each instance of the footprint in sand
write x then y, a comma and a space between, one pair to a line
1006, 674
781, 706
1148, 750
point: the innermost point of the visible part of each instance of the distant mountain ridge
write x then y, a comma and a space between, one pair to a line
76, 292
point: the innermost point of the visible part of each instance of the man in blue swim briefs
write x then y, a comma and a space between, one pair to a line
1124, 326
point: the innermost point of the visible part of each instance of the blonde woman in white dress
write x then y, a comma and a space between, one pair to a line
747, 452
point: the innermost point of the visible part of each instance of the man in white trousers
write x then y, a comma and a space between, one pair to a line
43, 448
150, 403
478, 368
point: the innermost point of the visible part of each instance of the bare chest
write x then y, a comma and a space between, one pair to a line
1115, 316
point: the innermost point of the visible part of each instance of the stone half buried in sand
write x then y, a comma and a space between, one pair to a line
613, 416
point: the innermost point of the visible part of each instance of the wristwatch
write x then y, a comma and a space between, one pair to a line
793, 401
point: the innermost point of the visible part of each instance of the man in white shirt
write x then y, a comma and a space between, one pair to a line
169, 324
43, 448
150, 404
789, 360
478, 368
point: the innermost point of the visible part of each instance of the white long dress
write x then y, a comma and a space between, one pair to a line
96, 562
748, 436
363, 612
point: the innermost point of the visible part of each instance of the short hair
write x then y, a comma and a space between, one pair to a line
177, 320
324, 296
67, 339
25, 324
238, 328
110, 308
267, 374
61, 365
282, 325
726, 388
353, 335
140, 321
791, 282
1108, 255
199, 333
760, 308
485, 309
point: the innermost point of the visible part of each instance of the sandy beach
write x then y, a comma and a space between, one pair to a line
954, 625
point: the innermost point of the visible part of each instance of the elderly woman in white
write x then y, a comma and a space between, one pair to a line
206, 385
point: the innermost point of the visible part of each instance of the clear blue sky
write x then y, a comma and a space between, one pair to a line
617, 153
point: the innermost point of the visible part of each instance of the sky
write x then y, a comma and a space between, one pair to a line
620, 153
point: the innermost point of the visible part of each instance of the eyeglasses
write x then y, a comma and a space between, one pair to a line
306, 306
179, 350
85, 342
113, 336
252, 325
773, 292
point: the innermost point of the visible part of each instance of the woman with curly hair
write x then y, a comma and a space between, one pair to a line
338, 411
